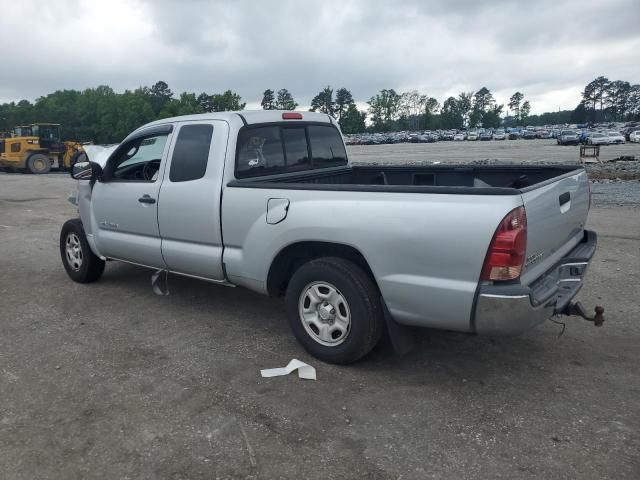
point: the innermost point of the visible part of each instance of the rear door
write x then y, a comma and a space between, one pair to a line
189, 203
556, 216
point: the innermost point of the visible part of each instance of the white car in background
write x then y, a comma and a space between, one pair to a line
598, 138
615, 137
460, 136
635, 136
499, 135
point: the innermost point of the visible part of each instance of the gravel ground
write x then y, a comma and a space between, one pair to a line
519, 151
110, 381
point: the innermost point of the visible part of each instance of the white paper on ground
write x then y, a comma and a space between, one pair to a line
304, 371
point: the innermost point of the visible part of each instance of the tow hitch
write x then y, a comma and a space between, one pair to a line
578, 310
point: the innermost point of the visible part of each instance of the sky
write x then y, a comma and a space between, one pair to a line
548, 50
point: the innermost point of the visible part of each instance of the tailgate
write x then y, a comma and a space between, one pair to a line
556, 216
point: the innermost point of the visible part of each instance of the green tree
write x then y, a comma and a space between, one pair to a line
285, 100
324, 102
491, 118
227, 102
579, 114
465, 106
268, 100
344, 100
161, 94
205, 101
353, 121
187, 104
483, 99
429, 118
384, 108
451, 115
617, 99
525, 109
514, 104
633, 103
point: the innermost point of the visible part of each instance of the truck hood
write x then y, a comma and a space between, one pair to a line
99, 153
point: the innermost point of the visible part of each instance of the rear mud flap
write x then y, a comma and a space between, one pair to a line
401, 337
160, 282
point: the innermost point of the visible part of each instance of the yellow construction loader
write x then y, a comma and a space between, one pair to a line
37, 148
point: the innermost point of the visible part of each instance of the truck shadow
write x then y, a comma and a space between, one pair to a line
438, 356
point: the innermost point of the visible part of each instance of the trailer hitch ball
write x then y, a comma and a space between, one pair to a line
578, 309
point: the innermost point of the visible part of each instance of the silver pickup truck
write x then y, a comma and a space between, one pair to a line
268, 200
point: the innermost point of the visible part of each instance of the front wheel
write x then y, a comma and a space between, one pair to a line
81, 264
38, 163
334, 310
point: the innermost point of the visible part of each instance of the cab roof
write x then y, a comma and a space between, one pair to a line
248, 117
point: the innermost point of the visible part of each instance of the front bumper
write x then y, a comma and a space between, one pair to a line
512, 309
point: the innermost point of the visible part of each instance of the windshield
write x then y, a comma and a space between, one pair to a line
51, 132
22, 132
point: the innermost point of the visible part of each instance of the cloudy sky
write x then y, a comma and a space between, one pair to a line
546, 49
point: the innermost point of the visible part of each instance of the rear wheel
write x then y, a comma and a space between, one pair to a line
81, 264
38, 163
334, 310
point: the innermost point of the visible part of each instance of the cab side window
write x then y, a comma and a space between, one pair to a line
140, 161
191, 153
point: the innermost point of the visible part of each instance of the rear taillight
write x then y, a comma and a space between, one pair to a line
505, 257
292, 116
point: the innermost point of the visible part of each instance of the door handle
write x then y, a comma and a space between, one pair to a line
564, 198
146, 199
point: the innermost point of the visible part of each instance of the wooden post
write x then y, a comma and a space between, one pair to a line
587, 152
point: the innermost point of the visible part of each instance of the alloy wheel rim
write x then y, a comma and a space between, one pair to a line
73, 251
324, 313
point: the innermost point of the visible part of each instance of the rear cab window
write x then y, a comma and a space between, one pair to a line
288, 148
191, 153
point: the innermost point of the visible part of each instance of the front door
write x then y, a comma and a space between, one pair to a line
125, 202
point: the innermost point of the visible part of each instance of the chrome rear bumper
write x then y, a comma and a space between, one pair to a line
512, 309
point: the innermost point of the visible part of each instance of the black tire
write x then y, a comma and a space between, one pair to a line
362, 297
90, 267
38, 163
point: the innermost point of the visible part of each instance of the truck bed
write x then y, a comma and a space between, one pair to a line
455, 179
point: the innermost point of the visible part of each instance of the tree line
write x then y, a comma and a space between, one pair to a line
105, 116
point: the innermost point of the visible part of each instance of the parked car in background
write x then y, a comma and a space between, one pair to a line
568, 137
635, 136
514, 135
584, 137
598, 138
529, 135
499, 135
615, 137
543, 134
472, 135
484, 136
629, 128
458, 137
447, 136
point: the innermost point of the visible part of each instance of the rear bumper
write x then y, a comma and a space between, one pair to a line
513, 309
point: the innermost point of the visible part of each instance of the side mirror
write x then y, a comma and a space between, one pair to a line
86, 171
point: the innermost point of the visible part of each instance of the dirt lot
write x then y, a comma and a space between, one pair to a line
111, 381
520, 151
